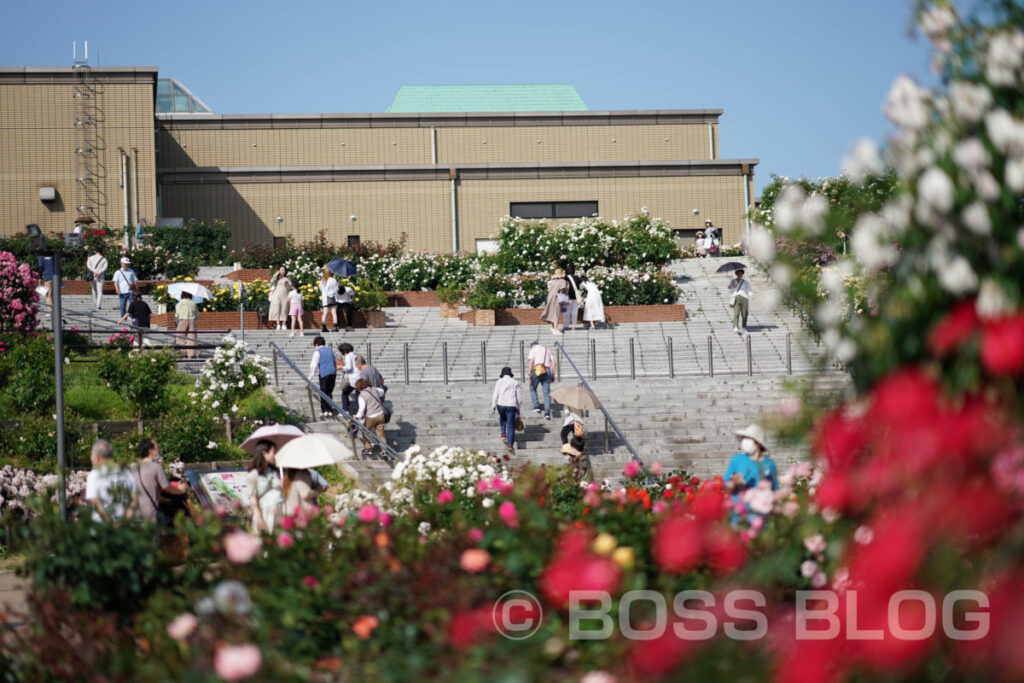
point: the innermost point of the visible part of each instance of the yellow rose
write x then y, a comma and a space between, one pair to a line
624, 557
604, 544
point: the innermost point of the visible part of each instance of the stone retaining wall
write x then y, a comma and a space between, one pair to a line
613, 314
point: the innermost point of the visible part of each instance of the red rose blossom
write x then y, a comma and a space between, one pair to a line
1002, 345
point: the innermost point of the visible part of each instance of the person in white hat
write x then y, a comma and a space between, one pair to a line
751, 464
124, 282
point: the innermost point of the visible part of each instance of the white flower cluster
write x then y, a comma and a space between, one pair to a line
232, 373
455, 469
17, 486
350, 501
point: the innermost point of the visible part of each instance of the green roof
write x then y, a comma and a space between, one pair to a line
414, 99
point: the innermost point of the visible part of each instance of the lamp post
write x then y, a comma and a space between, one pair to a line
39, 246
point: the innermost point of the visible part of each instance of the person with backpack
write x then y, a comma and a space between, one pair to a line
321, 368
572, 425
371, 413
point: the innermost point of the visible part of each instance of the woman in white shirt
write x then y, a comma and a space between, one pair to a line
506, 402
371, 412
741, 293
593, 310
328, 299
700, 247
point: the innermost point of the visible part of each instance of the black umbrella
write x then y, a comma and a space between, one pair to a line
340, 266
730, 267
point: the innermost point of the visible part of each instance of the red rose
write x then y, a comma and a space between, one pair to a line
678, 544
725, 551
1002, 345
956, 328
840, 440
582, 572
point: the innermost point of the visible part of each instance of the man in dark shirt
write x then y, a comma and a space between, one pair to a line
138, 311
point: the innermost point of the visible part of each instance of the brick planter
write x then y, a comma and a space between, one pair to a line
229, 320
483, 317
613, 314
449, 310
250, 274
413, 299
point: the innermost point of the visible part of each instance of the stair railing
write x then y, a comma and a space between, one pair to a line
99, 325
608, 419
390, 454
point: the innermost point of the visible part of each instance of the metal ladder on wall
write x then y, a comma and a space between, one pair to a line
87, 197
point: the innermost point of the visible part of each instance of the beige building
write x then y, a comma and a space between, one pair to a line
443, 179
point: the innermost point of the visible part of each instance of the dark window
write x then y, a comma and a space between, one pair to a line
280, 242
353, 241
552, 209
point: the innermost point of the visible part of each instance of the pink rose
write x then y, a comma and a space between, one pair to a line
474, 560
631, 469
445, 497
285, 540
310, 581
507, 511
368, 513
815, 544
288, 523
385, 519
808, 568
240, 547
482, 486
235, 662
790, 508
182, 626
476, 535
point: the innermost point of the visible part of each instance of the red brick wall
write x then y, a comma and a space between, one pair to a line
413, 299
250, 274
614, 314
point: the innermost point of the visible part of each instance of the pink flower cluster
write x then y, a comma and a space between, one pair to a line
18, 294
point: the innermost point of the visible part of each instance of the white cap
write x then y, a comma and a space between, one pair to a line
124, 259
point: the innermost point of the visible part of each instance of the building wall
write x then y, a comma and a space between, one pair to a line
383, 210
719, 198
209, 147
38, 139
422, 208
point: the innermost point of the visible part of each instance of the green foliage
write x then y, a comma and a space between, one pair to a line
34, 443
449, 295
186, 434
140, 378
195, 241
28, 374
101, 566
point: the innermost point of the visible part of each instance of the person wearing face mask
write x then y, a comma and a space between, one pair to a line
751, 464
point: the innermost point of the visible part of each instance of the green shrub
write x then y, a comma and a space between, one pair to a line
27, 368
34, 443
187, 434
99, 565
140, 378
201, 243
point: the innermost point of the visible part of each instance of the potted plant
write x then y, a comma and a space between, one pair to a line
369, 301
449, 298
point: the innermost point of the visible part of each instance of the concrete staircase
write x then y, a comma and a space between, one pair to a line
684, 422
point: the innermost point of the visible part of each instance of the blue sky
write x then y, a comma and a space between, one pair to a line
799, 80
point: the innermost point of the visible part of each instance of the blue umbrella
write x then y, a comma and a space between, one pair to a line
340, 266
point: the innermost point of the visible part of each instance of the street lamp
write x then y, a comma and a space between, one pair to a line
38, 245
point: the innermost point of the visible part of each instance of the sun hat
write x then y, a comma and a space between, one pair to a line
707, 222
754, 432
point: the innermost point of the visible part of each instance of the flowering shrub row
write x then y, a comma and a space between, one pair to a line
17, 294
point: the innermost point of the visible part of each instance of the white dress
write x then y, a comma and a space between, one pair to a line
593, 310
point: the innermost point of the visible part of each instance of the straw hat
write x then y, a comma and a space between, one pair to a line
754, 432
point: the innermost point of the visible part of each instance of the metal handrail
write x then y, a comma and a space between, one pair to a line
390, 453
105, 326
607, 415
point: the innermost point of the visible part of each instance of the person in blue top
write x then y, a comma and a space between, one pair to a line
321, 366
751, 464
46, 277
140, 232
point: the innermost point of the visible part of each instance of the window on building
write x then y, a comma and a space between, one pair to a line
353, 241
280, 242
552, 209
